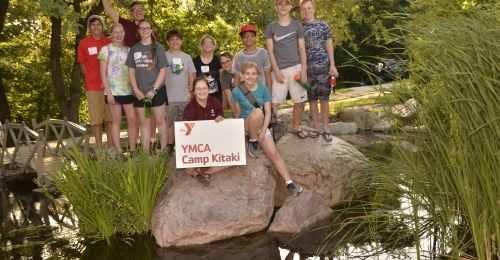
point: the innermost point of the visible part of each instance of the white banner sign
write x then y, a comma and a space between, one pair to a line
207, 143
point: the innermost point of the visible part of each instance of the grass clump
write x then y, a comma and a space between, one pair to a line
111, 197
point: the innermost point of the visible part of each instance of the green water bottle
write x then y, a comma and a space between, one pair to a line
306, 85
147, 107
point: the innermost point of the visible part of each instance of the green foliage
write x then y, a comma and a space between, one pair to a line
450, 185
111, 197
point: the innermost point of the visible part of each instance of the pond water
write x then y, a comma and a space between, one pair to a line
34, 227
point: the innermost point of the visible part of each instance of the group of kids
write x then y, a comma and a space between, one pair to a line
131, 70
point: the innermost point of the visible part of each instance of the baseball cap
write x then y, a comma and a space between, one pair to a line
279, 1
95, 17
247, 28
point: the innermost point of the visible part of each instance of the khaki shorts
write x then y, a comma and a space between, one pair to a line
297, 92
175, 112
98, 109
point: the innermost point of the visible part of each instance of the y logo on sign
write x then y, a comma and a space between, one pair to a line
189, 127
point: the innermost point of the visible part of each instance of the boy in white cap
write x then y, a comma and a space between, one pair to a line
286, 47
88, 50
252, 53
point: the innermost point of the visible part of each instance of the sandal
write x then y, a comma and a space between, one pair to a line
201, 178
325, 136
313, 134
300, 134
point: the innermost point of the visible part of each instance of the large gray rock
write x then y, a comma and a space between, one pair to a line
324, 168
238, 201
363, 117
342, 128
299, 214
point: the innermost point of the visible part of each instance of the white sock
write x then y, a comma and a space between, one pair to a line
288, 182
252, 140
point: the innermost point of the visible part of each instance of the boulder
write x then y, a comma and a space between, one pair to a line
324, 168
300, 214
238, 201
342, 128
406, 111
363, 117
258, 245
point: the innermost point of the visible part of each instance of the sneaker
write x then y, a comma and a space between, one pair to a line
103, 155
112, 152
133, 154
253, 149
294, 188
123, 156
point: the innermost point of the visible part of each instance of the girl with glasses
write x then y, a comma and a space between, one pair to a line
147, 64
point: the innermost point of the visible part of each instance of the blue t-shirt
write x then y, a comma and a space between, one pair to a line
315, 36
261, 94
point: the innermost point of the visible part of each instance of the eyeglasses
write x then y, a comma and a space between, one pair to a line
225, 62
208, 43
200, 89
249, 36
138, 10
144, 28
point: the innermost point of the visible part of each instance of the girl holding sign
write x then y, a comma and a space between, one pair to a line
203, 107
257, 121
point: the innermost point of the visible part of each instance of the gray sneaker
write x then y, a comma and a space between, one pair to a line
253, 149
112, 152
294, 188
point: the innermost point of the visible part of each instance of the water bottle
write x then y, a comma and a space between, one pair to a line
332, 82
306, 85
147, 107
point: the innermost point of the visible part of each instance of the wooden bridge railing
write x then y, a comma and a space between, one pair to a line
68, 135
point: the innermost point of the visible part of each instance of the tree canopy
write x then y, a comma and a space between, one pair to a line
39, 74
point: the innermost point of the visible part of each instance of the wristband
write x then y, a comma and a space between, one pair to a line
331, 57
153, 91
276, 70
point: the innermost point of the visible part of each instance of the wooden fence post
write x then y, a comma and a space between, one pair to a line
40, 141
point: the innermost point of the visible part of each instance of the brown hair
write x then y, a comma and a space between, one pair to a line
136, 3
153, 38
226, 54
195, 81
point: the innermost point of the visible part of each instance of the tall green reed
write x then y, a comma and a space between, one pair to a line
111, 197
451, 184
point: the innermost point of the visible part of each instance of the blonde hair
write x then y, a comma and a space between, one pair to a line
249, 65
207, 36
305, 1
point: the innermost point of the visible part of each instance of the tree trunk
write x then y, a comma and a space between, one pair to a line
4, 103
55, 68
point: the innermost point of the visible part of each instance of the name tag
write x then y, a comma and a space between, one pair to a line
205, 69
177, 61
92, 50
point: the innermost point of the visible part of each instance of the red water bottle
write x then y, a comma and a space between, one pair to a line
332, 82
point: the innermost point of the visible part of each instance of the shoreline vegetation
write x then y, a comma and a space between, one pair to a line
448, 190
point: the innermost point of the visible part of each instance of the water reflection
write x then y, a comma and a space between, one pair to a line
36, 227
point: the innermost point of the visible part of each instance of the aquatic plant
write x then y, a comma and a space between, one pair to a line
449, 188
110, 197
